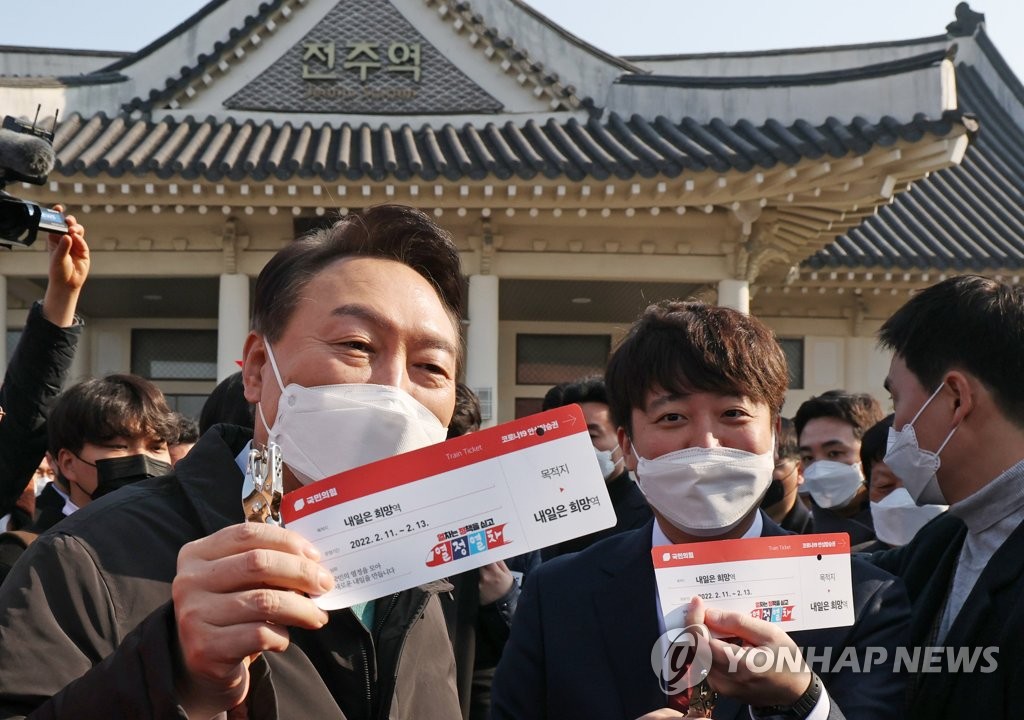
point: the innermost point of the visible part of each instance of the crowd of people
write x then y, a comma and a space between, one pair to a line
132, 586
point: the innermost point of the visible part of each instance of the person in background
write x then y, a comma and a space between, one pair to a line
829, 429
227, 404
553, 397
895, 515
187, 436
631, 510
782, 501
40, 364
44, 475
24, 511
104, 433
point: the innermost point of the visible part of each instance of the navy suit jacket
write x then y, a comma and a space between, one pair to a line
582, 636
991, 617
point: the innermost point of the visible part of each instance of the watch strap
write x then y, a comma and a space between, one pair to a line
800, 709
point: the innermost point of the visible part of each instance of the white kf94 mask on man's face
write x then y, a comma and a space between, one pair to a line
705, 491
327, 429
833, 484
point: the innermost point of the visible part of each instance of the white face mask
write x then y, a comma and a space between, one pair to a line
897, 518
606, 459
705, 491
328, 429
832, 484
914, 466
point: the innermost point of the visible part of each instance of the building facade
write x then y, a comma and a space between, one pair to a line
814, 187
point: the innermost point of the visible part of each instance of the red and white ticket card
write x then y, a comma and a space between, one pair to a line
454, 506
800, 582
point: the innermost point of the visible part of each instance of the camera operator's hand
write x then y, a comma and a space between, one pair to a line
69, 266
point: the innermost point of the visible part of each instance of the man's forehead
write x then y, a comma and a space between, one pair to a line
658, 397
827, 429
384, 292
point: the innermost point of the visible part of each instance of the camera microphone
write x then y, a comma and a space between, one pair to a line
25, 157
26, 154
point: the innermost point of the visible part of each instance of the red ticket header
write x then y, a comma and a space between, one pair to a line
433, 460
761, 548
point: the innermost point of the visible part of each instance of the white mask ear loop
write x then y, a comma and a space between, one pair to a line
273, 364
280, 383
926, 402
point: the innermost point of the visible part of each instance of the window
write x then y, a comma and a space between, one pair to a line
188, 405
175, 354
794, 350
551, 359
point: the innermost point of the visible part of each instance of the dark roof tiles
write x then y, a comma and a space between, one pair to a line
965, 218
615, 147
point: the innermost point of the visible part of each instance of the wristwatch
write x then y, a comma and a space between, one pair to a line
799, 709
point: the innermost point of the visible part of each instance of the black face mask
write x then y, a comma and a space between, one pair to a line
776, 491
114, 473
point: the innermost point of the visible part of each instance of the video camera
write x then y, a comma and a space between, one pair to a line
26, 155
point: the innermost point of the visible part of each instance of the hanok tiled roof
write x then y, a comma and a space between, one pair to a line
965, 218
615, 147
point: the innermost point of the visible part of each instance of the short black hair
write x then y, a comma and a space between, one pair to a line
98, 409
186, 428
684, 347
970, 323
391, 232
789, 448
858, 410
874, 444
227, 404
591, 389
553, 397
466, 418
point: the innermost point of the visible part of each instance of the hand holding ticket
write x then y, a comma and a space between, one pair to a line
800, 582
749, 594
454, 506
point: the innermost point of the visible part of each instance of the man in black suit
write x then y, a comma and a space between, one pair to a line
958, 439
695, 393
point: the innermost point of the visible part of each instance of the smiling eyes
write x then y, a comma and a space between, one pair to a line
363, 350
730, 414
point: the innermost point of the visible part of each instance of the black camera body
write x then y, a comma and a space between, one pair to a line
26, 155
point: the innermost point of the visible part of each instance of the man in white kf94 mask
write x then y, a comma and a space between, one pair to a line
631, 510
353, 356
894, 514
957, 438
829, 429
695, 393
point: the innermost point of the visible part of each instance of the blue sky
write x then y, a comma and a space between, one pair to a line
634, 27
